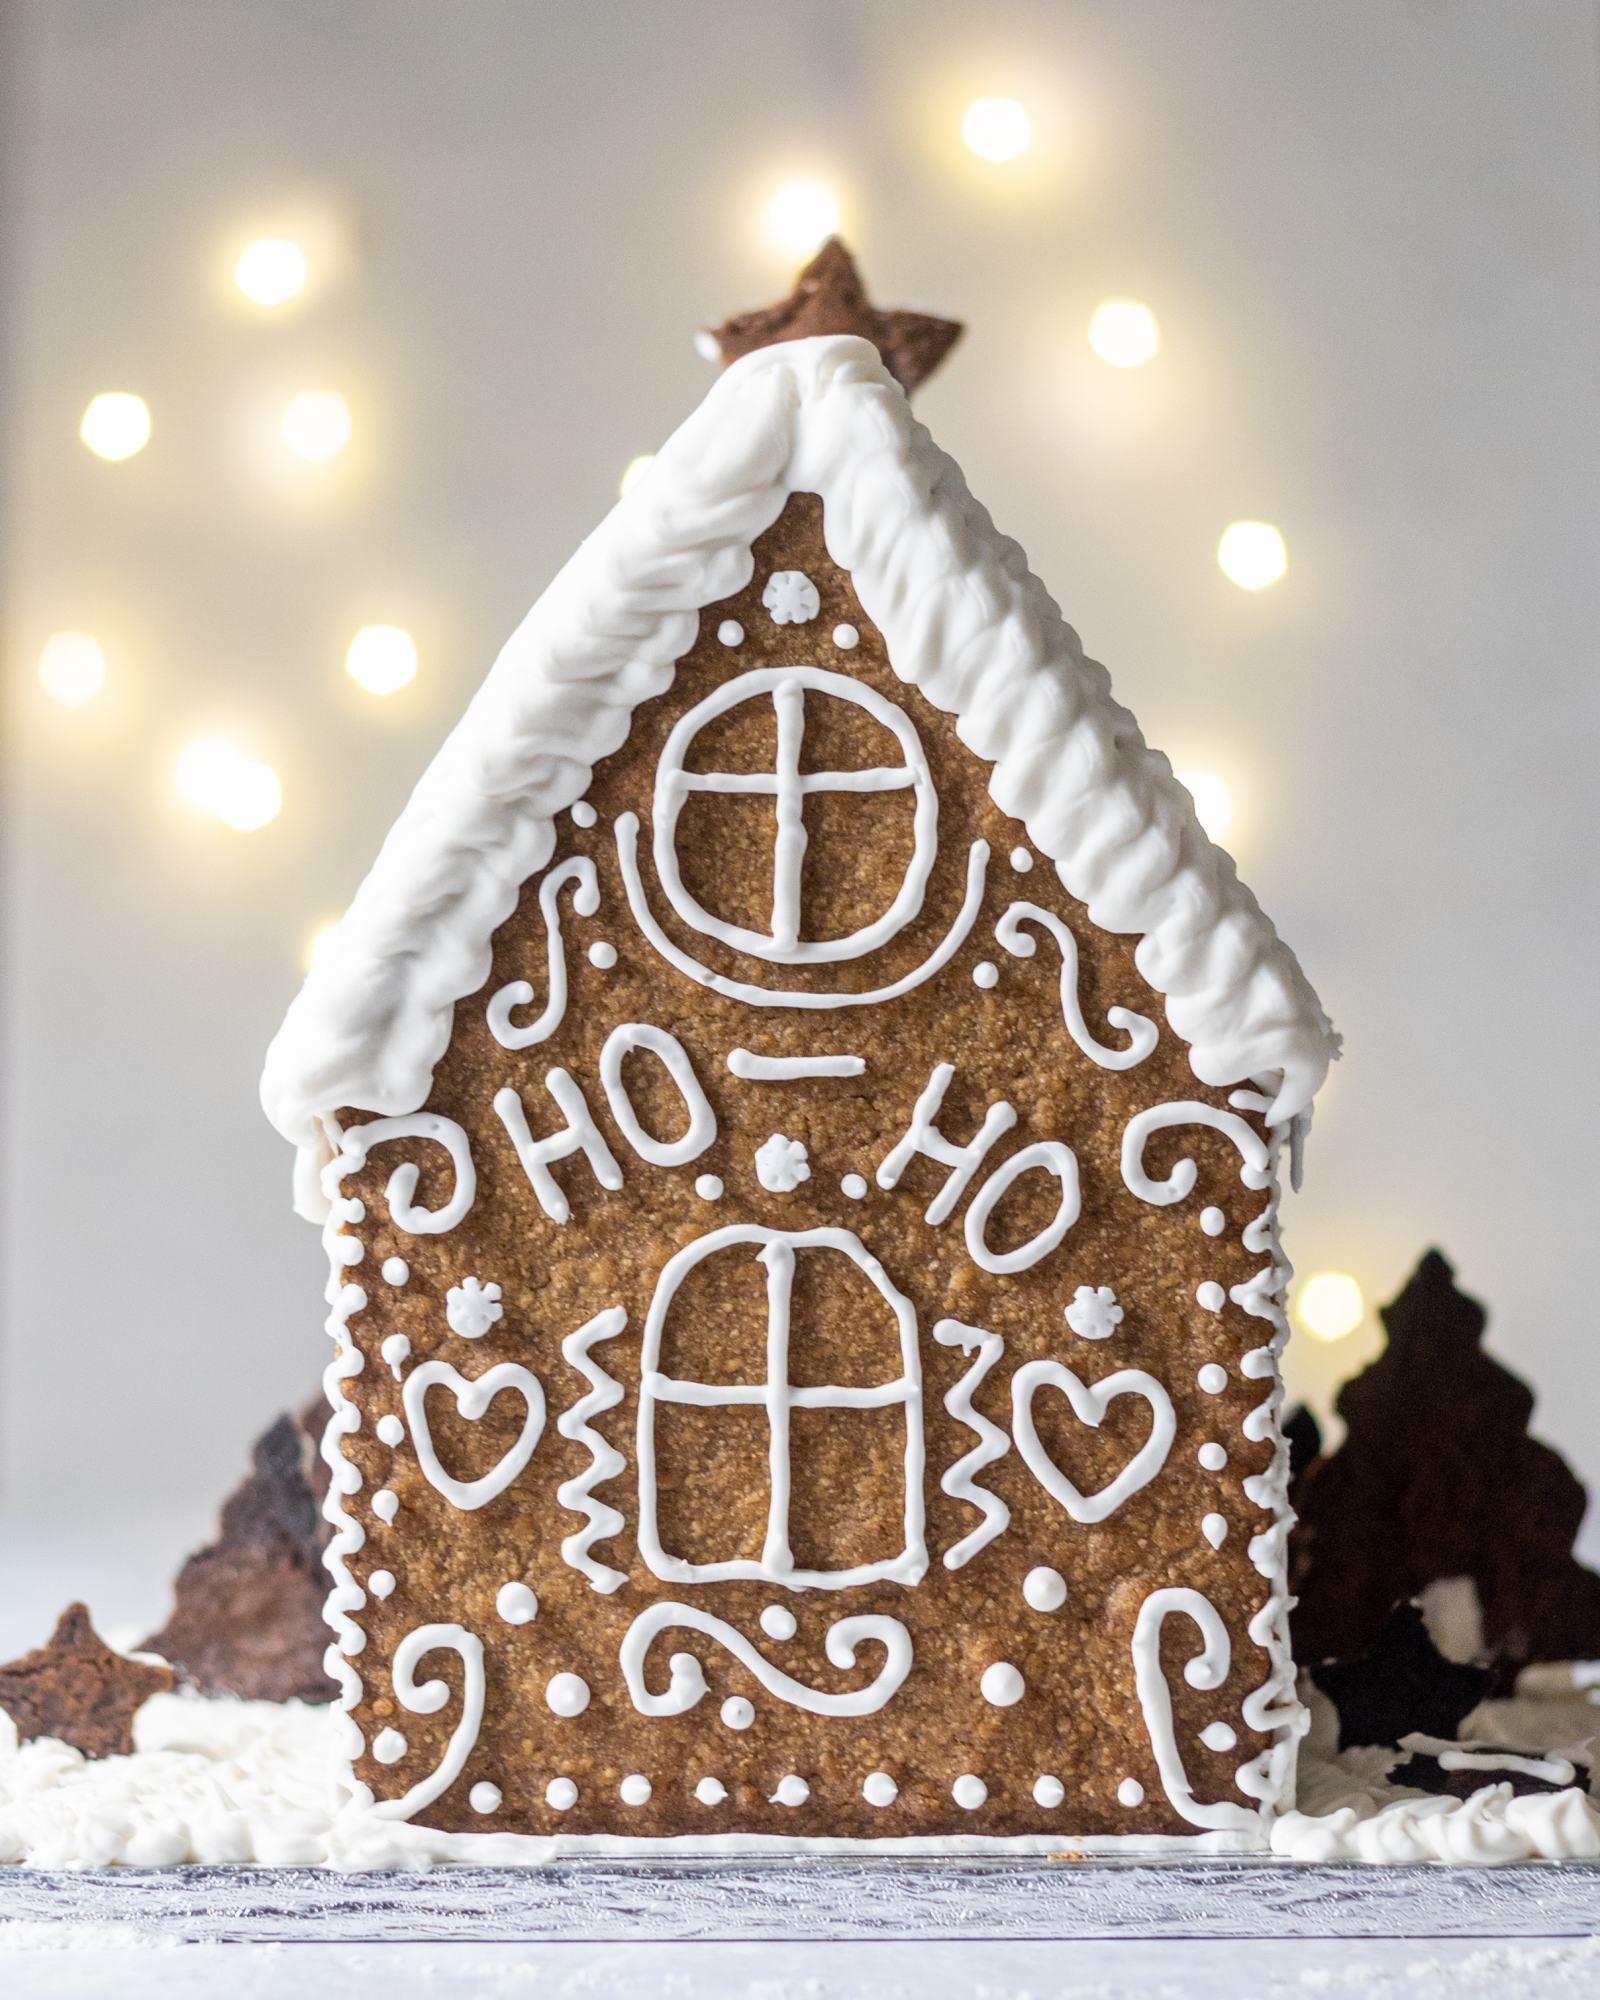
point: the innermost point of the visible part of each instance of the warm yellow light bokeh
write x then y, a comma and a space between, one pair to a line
800, 217
1330, 1305
216, 777
1213, 802
381, 658
635, 470
1252, 554
270, 271
116, 424
318, 942
997, 129
72, 668
1124, 333
315, 424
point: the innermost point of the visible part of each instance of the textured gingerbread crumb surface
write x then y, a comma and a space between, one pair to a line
1080, 1719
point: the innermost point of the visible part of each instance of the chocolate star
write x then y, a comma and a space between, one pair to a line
828, 297
77, 1689
1401, 1685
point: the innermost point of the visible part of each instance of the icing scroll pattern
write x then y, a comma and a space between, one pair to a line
687, 1683
585, 900
1141, 1031
1207, 1670
1256, 1171
357, 1141
428, 1698
577, 1495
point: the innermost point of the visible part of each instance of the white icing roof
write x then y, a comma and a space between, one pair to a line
964, 621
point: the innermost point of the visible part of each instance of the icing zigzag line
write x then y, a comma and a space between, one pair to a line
992, 1441
605, 1392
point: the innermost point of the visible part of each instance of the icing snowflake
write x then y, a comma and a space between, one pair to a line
1094, 1313
791, 597
781, 1164
472, 1308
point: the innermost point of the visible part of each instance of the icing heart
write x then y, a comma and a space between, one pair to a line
1089, 1405
472, 1399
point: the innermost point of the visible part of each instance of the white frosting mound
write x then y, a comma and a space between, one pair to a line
965, 622
1350, 1812
218, 1781
208, 1780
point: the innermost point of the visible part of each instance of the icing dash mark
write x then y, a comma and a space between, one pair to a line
992, 1442
577, 1495
785, 1069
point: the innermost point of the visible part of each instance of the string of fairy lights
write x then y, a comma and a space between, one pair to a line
221, 779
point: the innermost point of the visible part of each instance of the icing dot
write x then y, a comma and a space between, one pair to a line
1212, 1457
986, 974
711, 1791
1218, 1736
391, 1430
879, 1789
778, 1621
516, 1603
1212, 1379
1211, 1296
1002, 1685
635, 1790
791, 1791
355, 1209
853, 1186
561, 1793
1048, 1791
1044, 1589
385, 1504
395, 1272
1213, 1221
567, 1694
730, 632
388, 1746
1215, 1530
602, 955
351, 1250
583, 814
845, 637
737, 1712
1130, 1793
1021, 860
381, 1583
969, 1792
396, 1347
708, 1187
484, 1798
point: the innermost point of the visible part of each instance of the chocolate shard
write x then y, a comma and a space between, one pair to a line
77, 1689
1401, 1684
247, 1609
1437, 1477
1457, 1771
829, 297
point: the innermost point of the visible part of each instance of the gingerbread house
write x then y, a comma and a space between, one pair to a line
796, 1110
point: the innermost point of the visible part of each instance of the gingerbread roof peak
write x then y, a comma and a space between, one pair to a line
829, 297
964, 621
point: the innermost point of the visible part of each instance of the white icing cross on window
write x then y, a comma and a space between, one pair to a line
789, 787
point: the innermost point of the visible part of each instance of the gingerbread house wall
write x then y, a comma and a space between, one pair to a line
1108, 1737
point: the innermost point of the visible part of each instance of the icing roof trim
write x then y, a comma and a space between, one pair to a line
964, 621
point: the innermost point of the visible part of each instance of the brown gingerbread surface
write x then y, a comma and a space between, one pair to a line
1079, 1718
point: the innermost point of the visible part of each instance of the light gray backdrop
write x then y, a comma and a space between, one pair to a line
1372, 233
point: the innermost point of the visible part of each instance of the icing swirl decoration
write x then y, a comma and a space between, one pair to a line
357, 1141
579, 871
686, 1685
1255, 1172
427, 1698
1140, 1030
1207, 1670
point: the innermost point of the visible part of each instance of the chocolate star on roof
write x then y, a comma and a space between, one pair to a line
77, 1689
829, 297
